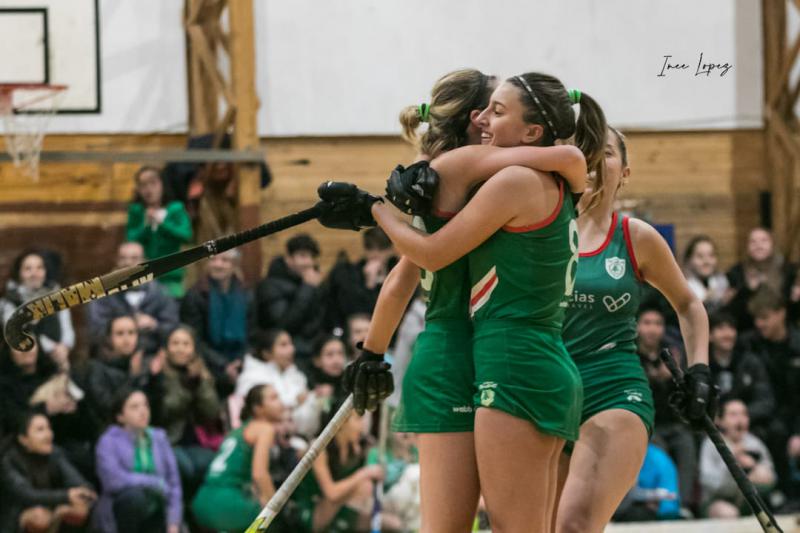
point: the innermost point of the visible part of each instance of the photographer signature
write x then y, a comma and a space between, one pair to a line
702, 68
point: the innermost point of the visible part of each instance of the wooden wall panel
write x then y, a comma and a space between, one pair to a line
701, 182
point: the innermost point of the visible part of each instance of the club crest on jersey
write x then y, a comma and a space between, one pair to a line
487, 392
615, 266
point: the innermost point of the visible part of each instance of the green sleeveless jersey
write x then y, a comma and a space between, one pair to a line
232, 465
446, 291
527, 273
602, 311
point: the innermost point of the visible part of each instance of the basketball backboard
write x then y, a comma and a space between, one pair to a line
53, 42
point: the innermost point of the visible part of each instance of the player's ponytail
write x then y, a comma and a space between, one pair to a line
255, 397
591, 132
453, 98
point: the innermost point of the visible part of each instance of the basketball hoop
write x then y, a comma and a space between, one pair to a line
26, 109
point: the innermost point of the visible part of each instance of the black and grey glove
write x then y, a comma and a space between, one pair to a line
345, 206
369, 379
697, 397
412, 189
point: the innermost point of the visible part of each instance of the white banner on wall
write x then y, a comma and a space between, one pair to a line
348, 67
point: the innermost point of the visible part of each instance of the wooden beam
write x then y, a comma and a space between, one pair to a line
254, 156
245, 133
783, 77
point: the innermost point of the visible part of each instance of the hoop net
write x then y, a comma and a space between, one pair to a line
26, 110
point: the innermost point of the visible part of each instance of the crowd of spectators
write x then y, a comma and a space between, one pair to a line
754, 357
192, 402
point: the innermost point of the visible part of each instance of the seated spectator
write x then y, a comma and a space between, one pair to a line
272, 363
29, 279
119, 362
137, 471
41, 488
338, 497
354, 287
777, 345
238, 483
290, 297
21, 375
721, 496
190, 408
762, 266
655, 496
401, 499
155, 311
357, 328
324, 382
159, 224
737, 373
410, 327
700, 266
669, 433
216, 309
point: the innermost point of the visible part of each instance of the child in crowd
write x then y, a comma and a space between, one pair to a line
324, 382
272, 362
160, 225
191, 408
141, 486
238, 483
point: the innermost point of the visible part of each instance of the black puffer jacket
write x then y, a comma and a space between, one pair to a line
30, 480
283, 301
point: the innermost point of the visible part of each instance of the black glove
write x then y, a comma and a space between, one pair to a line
369, 379
412, 189
345, 206
697, 397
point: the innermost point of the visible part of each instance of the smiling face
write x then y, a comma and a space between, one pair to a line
502, 122
32, 272
180, 348
282, 353
703, 261
38, 437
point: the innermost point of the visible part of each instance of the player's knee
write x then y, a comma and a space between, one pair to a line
722, 509
573, 522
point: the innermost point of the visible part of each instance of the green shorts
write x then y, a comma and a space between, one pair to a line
526, 372
615, 380
224, 508
439, 380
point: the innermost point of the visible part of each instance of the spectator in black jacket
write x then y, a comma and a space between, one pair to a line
40, 486
353, 287
117, 363
739, 374
777, 344
216, 309
155, 311
669, 433
289, 298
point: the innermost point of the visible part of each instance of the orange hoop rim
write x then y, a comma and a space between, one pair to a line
7, 89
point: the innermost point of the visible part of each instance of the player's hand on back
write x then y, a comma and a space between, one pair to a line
412, 189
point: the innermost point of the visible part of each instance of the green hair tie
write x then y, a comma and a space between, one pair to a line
575, 95
424, 112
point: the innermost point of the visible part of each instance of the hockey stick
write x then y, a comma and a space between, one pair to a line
281, 496
124, 278
764, 516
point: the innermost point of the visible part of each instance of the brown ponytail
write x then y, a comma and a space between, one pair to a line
591, 132
453, 98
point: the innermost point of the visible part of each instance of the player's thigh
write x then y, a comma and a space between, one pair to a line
518, 470
604, 465
449, 487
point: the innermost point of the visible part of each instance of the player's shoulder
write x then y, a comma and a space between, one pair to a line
641, 231
258, 428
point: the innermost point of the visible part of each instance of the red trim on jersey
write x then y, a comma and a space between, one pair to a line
608, 238
626, 232
443, 214
547, 221
484, 290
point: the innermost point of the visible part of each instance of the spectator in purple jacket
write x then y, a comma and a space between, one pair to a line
137, 469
